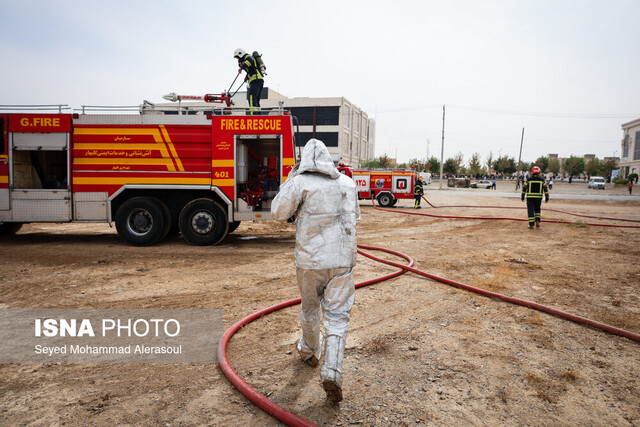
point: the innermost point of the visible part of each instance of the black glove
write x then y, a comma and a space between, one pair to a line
546, 199
522, 197
292, 219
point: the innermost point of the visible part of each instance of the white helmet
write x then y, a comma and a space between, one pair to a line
239, 53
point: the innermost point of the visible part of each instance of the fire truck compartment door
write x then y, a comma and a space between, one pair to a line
40, 141
402, 184
41, 205
363, 182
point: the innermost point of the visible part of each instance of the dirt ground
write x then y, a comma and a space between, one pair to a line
418, 351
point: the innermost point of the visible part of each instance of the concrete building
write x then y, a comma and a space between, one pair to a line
630, 148
345, 129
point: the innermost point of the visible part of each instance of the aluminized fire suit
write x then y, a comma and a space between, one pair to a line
326, 208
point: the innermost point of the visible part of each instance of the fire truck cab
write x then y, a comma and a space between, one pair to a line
201, 172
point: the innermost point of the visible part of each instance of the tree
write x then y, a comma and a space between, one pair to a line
458, 160
490, 161
505, 165
573, 166
542, 162
606, 166
385, 161
371, 164
474, 164
450, 167
592, 167
433, 165
554, 166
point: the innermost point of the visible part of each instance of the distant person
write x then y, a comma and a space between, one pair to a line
254, 78
630, 186
533, 190
418, 191
493, 184
551, 184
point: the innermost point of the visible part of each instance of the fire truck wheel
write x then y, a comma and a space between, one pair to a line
203, 222
9, 228
385, 200
140, 221
233, 225
168, 219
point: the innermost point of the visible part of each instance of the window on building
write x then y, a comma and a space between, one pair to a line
303, 138
330, 139
625, 147
327, 116
345, 142
303, 114
636, 149
347, 116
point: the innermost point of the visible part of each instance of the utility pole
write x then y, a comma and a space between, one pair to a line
442, 149
519, 163
428, 143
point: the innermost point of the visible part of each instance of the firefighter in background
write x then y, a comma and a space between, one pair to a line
326, 209
418, 191
254, 77
534, 189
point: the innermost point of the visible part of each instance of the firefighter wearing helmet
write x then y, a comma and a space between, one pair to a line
254, 78
533, 189
325, 204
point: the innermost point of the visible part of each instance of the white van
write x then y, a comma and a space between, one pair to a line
597, 182
426, 177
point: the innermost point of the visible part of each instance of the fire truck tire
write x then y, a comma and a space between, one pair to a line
203, 222
385, 200
168, 219
9, 228
140, 221
233, 225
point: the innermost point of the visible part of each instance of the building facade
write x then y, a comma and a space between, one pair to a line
345, 129
630, 148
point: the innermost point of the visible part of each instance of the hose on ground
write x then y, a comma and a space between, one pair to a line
258, 399
521, 207
293, 420
553, 221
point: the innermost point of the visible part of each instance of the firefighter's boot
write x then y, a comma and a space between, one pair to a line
331, 372
307, 355
537, 223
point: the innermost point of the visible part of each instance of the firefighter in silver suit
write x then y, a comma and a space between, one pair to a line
325, 205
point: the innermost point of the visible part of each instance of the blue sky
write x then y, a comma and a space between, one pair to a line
565, 70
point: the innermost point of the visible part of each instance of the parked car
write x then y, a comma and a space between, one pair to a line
597, 182
481, 184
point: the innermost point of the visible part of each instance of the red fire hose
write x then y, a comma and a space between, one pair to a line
519, 207
293, 420
553, 221
261, 401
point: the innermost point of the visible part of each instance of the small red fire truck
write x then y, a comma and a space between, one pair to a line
386, 186
199, 170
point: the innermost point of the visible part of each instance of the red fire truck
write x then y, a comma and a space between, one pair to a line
386, 186
200, 171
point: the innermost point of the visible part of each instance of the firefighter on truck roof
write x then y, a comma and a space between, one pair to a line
254, 78
533, 189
